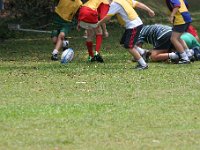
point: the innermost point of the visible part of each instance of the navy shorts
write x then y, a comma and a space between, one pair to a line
130, 36
180, 28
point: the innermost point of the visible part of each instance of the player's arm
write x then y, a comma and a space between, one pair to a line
174, 11
145, 7
104, 20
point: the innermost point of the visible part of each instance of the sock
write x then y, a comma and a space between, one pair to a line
140, 50
98, 42
184, 56
191, 51
142, 62
89, 45
173, 56
55, 51
188, 52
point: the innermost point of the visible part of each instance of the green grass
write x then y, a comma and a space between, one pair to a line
46, 105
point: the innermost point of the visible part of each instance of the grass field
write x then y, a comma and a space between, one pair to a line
110, 106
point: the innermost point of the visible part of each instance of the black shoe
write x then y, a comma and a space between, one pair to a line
183, 61
146, 56
54, 57
174, 61
192, 59
98, 58
140, 67
65, 44
91, 59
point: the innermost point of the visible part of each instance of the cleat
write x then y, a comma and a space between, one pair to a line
54, 57
98, 58
140, 67
91, 59
65, 44
146, 56
174, 61
183, 61
192, 59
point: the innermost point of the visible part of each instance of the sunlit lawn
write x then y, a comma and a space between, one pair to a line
110, 106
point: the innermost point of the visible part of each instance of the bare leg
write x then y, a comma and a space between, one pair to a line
142, 64
105, 32
177, 42
159, 55
59, 41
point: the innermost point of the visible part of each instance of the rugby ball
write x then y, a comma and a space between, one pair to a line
67, 56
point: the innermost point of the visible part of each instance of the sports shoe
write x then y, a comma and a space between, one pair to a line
174, 61
146, 55
65, 44
54, 57
91, 59
140, 67
183, 61
98, 58
192, 59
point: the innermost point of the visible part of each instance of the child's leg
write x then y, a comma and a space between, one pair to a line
105, 32
163, 55
58, 44
137, 56
186, 49
99, 38
176, 41
89, 43
98, 31
60, 39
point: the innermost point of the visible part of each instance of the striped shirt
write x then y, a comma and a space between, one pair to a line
154, 34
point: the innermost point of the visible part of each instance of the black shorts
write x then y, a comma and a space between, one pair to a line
130, 37
164, 43
180, 28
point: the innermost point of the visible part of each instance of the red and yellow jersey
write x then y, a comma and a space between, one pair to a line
105, 1
66, 9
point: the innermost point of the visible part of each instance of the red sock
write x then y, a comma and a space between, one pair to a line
98, 42
89, 45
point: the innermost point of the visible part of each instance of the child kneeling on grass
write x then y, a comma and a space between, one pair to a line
132, 22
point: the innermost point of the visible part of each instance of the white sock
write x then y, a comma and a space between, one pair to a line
142, 62
188, 52
191, 51
140, 50
184, 56
173, 56
55, 51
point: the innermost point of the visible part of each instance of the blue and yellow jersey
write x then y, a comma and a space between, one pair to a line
183, 15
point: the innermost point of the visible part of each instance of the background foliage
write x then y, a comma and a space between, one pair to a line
38, 14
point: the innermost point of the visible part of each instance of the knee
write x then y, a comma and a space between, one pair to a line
54, 40
61, 36
172, 39
154, 57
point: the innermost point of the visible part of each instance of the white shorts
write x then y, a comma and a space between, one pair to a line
86, 25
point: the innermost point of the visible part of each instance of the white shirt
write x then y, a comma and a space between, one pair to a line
116, 8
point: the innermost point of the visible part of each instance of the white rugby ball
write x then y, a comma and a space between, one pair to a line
67, 56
